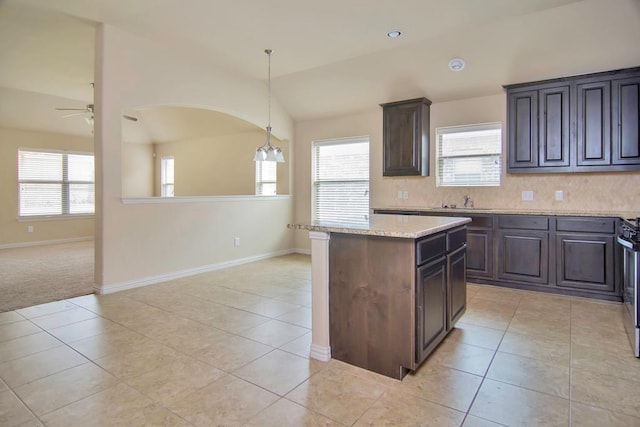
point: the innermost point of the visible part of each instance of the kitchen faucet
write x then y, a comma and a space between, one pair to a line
466, 200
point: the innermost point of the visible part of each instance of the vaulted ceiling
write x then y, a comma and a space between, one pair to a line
331, 57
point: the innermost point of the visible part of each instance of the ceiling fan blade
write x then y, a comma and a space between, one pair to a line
133, 119
75, 114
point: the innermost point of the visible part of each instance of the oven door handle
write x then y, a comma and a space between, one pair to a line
626, 243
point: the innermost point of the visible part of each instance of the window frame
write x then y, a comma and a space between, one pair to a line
314, 182
462, 129
65, 184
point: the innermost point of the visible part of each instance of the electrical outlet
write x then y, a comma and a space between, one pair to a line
236, 241
527, 195
405, 195
29, 228
399, 194
559, 195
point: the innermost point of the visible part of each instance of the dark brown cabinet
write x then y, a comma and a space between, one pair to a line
456, 286
585, 253
480, 247
523, 256
406, 137
626, 121
431, 307
523, 129
539, 128
587, 123
594, 123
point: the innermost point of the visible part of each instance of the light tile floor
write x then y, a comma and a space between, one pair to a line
231, 348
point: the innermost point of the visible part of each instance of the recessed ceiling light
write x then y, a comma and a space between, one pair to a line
456, 64
394, 34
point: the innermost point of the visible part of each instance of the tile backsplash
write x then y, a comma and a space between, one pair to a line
589, 192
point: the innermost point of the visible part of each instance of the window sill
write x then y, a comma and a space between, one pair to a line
66, 217
200, 199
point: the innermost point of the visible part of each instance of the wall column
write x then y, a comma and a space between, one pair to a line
320, 346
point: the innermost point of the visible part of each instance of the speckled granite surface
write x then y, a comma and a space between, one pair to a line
472, 211
403, 226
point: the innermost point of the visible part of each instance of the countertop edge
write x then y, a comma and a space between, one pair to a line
346, 229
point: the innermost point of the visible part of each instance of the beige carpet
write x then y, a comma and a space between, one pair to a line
38, 274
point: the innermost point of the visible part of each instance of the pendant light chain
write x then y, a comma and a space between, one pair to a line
269, 152
269, 52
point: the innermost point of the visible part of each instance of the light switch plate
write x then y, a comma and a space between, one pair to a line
527, 195
559, 195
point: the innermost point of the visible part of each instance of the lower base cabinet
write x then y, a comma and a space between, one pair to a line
586, 262
523, 256
480, 252
570, 255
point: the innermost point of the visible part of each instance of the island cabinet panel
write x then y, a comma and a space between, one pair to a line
391, 299
457, 285
431, 304
371, 302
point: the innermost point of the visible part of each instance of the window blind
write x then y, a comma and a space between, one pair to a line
341, 180
266, 178
469, 156
167, 176
55, 183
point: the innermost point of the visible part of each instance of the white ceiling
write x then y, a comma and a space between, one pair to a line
331, 57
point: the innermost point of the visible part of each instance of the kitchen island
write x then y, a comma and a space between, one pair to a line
386, 289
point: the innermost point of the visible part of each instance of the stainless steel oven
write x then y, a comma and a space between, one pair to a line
629, 239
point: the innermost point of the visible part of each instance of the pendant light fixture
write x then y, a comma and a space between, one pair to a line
268, 152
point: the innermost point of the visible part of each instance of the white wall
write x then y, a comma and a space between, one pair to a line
138, 242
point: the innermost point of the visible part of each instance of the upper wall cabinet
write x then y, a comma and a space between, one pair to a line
406, 137
587, 123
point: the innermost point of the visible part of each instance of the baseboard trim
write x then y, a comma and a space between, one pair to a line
152, 280
320, 353
45, 242
302, 251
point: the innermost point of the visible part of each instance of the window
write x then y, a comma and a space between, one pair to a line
167, 177
341, 180
55, 183
266, 178
469, 156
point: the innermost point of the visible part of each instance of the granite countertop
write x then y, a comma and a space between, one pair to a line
403, 226
503, 211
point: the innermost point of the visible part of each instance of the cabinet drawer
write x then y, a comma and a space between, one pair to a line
587, 225
456, 238
482, 221
431, 247
523, 222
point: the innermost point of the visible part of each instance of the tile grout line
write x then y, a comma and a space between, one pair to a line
484, 376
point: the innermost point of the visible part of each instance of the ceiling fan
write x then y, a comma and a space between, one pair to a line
89, 110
